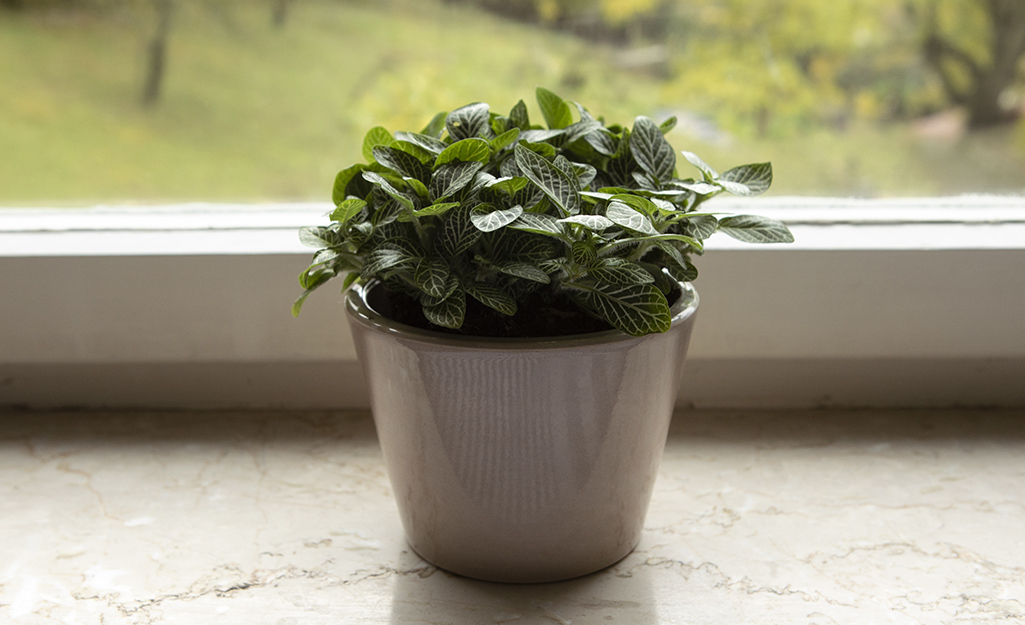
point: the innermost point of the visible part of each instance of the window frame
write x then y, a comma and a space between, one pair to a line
896, 302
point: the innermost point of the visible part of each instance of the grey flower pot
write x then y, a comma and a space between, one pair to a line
520, 460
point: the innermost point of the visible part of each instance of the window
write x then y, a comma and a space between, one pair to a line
171, 100
181, 296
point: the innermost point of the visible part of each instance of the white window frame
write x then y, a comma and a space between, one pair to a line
898, 302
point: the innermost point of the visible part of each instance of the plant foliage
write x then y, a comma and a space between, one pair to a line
492, 207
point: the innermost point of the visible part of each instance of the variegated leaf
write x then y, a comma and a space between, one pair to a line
450, 312
619, 271
562, 189
748, 179
472, 120
449, 179
651, 150
458, 233
492, 297
593, 222
629, 218
488, 219
431, 277
755, 229
523, 270
635, 309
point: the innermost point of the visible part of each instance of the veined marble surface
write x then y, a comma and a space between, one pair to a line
207, 518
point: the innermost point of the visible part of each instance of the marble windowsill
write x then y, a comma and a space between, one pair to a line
825, 517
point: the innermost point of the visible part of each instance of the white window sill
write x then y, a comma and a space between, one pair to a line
967, 222
878, 303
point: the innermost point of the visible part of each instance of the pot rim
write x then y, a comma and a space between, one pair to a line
359, 311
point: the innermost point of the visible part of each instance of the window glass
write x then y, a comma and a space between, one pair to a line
262, 100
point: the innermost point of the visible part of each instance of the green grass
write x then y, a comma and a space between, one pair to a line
254, 113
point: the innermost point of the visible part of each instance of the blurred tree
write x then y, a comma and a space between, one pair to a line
156, 52
279, 12
976, 47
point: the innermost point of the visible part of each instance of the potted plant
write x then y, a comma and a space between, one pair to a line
521, 304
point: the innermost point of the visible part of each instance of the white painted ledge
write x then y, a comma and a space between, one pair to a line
879, 303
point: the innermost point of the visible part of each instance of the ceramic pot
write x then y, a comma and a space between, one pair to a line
520, 460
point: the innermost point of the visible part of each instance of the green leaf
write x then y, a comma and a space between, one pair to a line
504, 140
540, 137
636, 202
452, 177
450, 312
644, 181
629, 218
509, 185
685, 272
538, 223
450, 287
419, 188
346, 210
668, 125
523, 270
635, 309
487, 219
499, 124
467, 150
519, 117
706, 169
592, 222
435, 209
585, 174
435, 126
755, 229
378, 135
338, 194
580, 129
563, 190
387, 187
583, 252
619, 271
458, 233
701, 188
402, 162
385, 258
472, 120
315, 275
493, 297
618, 243
516, 245
602, 141
556, 111
651, 150
298, 304
350, 278
314, 236
424, 142
431, 277
700, 226
748, 179
418, 152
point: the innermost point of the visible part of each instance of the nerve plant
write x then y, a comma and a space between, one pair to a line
494, 208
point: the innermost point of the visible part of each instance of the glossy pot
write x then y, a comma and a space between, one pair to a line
520, 460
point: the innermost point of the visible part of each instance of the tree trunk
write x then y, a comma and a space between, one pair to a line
156, 53
280, 13
987, 81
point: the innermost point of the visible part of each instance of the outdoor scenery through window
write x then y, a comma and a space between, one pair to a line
149, 101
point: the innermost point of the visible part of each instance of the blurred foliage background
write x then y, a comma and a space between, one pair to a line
251, 100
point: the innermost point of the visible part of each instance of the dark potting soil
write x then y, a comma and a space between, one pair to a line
537, 317
542, 315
